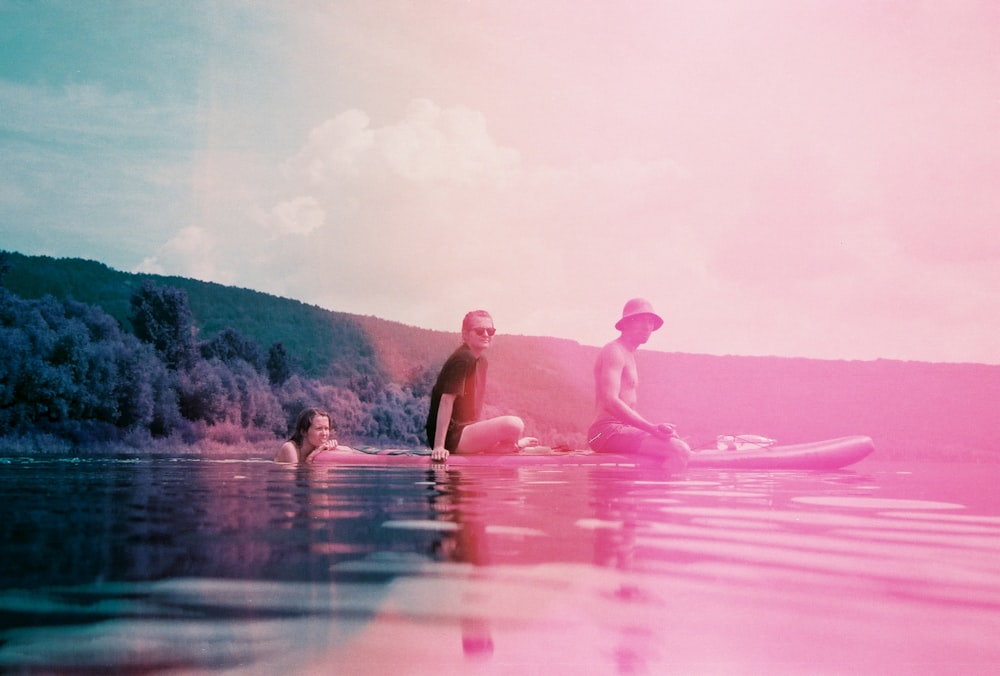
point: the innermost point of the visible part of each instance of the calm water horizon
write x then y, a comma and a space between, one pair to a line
187, 565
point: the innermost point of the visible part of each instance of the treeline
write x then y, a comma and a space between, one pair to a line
71, 370
322, 344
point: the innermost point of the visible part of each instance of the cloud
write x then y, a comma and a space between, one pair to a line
333, 150
191, 253
422, 218
299, 215
429, 144
372, 197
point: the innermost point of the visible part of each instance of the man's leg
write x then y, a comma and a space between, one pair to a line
674, 451
496, 435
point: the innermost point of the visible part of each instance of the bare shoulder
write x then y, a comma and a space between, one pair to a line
287, 453
612, 354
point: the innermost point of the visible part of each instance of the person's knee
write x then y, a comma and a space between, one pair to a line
674, 447
513, 426
681, 448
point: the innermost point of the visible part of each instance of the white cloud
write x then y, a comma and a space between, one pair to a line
434, 144
299, 215
425, 217
428, 144
391, 212
332, 150
191, 253
150, 265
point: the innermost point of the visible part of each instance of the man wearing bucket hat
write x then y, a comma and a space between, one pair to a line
618, 427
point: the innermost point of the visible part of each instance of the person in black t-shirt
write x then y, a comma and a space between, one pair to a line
453, 422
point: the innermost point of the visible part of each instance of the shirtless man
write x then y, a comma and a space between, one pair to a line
618, 427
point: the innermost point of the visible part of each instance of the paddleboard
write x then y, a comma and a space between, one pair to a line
826, 454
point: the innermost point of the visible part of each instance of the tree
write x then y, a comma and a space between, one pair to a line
229, 345
161, 316
279, 368
399, 417
367, 386
351, 417
421, 380
203, 392
68, 368
4, 266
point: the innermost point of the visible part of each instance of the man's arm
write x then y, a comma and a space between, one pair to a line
610, 366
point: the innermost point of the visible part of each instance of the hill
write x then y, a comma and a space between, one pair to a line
911, 409
323, 343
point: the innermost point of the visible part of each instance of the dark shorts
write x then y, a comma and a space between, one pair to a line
451, 437
610, 436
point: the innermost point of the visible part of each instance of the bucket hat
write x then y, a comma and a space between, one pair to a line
636, 307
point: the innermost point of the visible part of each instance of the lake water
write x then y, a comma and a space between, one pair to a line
207, 566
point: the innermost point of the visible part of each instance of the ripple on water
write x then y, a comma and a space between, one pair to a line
852, 502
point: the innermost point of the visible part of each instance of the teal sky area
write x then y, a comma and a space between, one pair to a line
100, 101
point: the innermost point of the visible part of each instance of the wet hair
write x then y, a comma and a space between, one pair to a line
304, 422
472, 316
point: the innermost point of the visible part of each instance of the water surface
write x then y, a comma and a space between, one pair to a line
207, 566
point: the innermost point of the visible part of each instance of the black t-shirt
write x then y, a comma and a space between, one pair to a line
464, 376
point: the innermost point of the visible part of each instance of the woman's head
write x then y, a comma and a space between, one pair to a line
306, 420
478, 330
475, 318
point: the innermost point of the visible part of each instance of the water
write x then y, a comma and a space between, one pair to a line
199, 566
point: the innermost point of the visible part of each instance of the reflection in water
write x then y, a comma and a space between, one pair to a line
465, 543
252, 567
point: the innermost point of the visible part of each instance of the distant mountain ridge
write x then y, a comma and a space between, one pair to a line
911, 409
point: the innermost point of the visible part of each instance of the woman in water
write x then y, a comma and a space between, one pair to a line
313, 430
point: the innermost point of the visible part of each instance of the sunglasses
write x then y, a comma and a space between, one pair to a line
481, 331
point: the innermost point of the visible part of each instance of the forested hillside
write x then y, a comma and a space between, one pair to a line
92, 356
323, 343
375, 374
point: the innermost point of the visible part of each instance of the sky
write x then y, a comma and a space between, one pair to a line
798, 178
